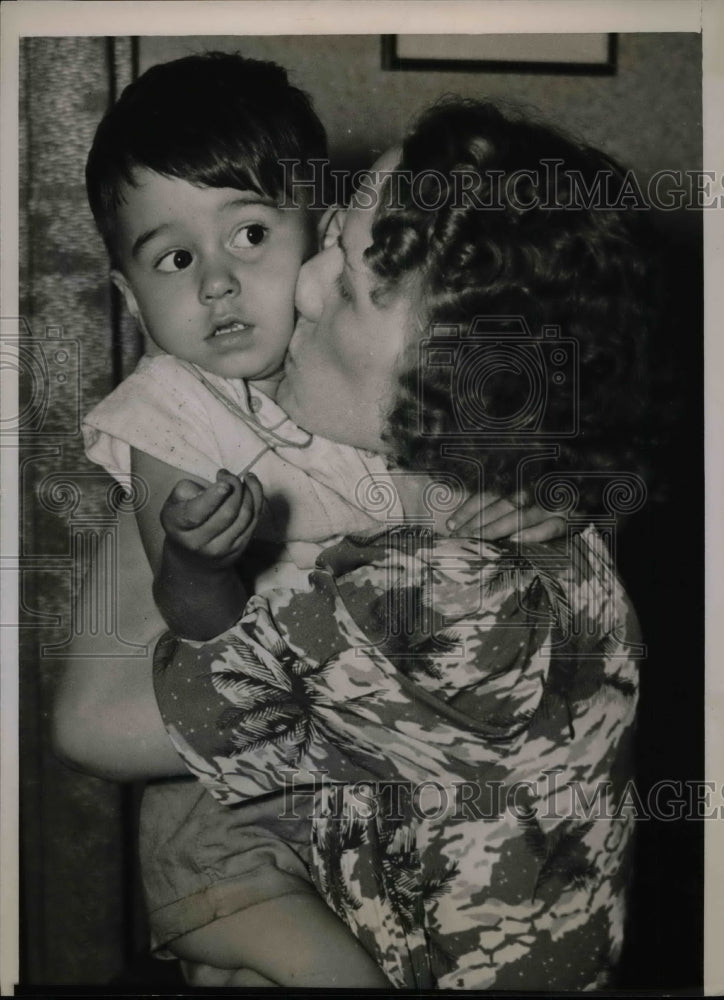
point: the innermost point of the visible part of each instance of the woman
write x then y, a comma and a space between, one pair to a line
485, 696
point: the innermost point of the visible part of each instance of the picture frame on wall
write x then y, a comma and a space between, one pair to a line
585, 54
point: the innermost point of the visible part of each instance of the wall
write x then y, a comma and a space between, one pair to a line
648, 114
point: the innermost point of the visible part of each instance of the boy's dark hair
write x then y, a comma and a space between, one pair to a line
215, 120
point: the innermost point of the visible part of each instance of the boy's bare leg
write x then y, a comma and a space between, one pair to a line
294, 940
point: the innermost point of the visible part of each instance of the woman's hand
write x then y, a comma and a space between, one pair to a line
491, 518
214, 523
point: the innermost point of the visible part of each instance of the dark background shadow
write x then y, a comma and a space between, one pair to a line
661, 559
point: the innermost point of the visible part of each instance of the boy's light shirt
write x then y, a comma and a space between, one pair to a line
199, 422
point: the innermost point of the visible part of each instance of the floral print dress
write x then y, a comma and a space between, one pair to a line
456, 720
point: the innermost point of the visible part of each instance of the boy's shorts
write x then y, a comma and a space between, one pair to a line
201, 861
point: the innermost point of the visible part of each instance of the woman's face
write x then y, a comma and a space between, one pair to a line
343, 360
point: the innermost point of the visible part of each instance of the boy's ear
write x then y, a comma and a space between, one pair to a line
330, 226
126, 291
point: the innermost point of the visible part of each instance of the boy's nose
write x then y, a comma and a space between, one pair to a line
315, 281
218, 281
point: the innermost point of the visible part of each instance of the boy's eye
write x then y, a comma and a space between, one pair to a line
176, 260
249, 236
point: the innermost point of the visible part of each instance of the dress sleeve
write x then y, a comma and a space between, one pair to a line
323, 682
309, 685
251, 715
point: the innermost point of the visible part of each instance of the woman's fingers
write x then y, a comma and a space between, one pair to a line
530, 524
508, 517
468, 514
486, 523
553, 527
502, 520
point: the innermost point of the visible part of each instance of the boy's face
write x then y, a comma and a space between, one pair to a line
210, 273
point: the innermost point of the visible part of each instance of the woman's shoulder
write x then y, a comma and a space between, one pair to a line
571, 582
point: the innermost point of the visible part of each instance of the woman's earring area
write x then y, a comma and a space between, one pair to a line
331, 226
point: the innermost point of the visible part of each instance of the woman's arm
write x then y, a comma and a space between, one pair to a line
105, 719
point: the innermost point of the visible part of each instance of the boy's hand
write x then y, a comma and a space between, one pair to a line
213, 523
491, 518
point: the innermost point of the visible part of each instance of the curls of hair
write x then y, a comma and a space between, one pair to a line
533, 231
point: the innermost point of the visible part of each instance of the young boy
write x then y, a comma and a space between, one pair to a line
184, 180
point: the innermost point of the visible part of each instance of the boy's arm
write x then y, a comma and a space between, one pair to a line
193, 541
159, 480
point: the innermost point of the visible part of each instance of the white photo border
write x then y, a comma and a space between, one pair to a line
270, 17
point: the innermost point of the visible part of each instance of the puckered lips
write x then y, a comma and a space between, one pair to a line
229, 332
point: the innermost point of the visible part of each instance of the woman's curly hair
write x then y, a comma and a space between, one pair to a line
489, 220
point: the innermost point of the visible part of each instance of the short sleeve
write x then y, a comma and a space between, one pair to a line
163, 410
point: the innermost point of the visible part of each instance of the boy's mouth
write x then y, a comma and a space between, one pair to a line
233, 326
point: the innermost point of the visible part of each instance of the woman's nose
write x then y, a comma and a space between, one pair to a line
218, 280
315, 282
